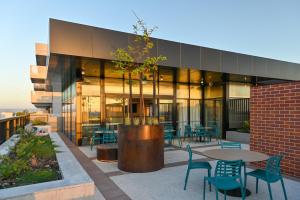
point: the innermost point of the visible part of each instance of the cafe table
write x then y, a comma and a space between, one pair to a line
246, 156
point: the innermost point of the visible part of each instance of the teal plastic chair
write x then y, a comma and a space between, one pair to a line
231, 145
227, 177
109, 136
202, 133
168, 135
271, 174
96, 136
179, 138
216, 133
188, 131
195, 165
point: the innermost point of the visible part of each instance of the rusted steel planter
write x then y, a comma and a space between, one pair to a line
140, 148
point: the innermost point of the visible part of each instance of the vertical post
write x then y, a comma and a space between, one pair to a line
189, 103
202, 116
102, 92
7, 129
224, 105
174, 107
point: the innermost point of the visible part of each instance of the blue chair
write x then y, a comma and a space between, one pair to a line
271, 174
168, 135
109, 136
188, 131
201, 133
216, 133
96, 136
195, 165
231, 145
227, 177
178, 136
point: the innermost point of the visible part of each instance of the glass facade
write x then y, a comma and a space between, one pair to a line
94, 94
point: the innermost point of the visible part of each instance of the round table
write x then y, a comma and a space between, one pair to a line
236, 154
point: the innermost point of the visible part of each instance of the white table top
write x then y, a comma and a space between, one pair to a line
235, 154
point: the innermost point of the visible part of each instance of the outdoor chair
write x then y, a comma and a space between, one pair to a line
231, 145
109, 136
216, 133
96, 136
227, 177
195, 165
179, 138
168, 135
188, 131
201, 133
270, 174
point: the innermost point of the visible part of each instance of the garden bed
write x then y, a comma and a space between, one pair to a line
32, 160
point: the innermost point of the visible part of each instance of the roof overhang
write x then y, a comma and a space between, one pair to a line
73, 39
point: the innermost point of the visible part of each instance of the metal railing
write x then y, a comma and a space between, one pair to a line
238, 111
9, 126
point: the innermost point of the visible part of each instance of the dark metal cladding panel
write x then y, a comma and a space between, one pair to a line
70, 39
260, 67
190, 56
292, 71
244, 64
274, 67
107, 41
80, 40
229, 62
171, 50
210, 59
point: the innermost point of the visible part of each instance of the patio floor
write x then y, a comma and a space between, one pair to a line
168, 183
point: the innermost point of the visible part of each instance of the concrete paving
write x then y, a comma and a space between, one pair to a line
168, 183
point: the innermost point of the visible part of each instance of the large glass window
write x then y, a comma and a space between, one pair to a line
239, 90
114, 110
113, 86
165, 110
182, 113
195, 92
182, 91
195, 112
166, 88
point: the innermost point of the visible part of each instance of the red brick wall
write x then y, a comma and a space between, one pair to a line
275, 123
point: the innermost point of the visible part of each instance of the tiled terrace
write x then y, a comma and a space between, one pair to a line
166, 183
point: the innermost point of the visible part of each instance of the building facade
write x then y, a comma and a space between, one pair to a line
195, 85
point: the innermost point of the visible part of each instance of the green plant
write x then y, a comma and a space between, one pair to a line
37, 176
245, 128
137, 59
10, 168
39, 146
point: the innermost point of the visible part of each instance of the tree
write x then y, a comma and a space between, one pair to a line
136, 59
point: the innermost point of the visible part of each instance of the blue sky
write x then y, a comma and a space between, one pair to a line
268, 28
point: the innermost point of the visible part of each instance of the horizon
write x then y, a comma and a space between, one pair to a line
265, 29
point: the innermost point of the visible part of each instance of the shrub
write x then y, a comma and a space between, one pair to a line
37, 176
10, 168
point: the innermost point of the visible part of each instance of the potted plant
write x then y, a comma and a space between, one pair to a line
140, 144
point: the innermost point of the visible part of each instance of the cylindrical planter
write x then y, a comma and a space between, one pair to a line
140, 148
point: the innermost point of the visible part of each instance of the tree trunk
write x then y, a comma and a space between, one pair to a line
142, 102
130, 99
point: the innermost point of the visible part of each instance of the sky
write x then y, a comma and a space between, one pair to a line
268, 28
